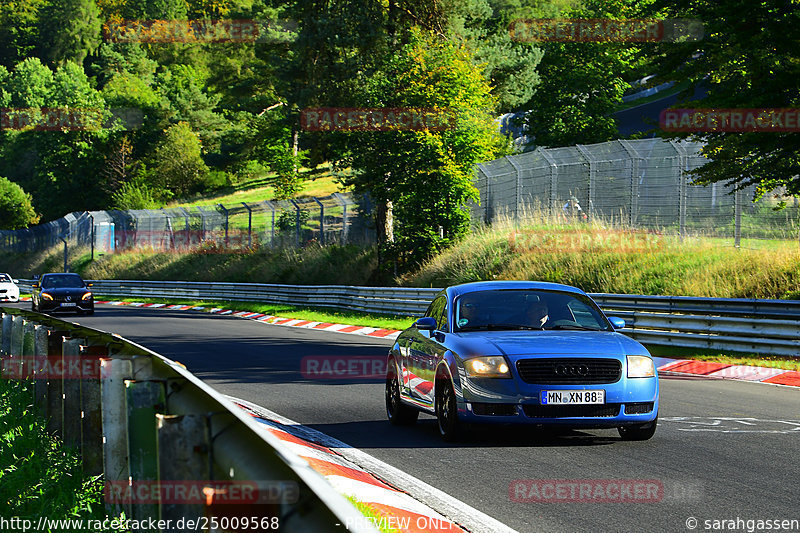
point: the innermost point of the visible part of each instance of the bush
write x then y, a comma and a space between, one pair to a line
135, 195
16, 209
177, 164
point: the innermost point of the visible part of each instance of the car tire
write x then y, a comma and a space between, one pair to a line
638, 432
398, 413
447, 412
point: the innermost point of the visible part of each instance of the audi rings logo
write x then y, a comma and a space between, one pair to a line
572, 370
69, 298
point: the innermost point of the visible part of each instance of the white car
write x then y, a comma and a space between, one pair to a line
9, 292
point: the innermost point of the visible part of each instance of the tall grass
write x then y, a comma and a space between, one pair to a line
601, 256
39, 477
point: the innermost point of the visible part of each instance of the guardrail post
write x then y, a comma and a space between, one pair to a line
8, 320
184, 446
91, 419
40, 350
71, 422
28, 339
55, 384
144, 399
16, 335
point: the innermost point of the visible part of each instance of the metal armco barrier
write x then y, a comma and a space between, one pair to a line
143, 420
739, 324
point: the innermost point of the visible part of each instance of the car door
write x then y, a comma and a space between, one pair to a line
420, 359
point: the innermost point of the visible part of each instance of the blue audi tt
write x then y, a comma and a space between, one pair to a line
521, 352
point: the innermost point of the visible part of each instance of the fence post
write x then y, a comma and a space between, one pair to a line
249, 224
737, 217
518, 188
71, 422
17, 324
55, 383
487, 209
41, 351
222, 207
8, 320
553, 180
633, 207
321, 221
343, 203
590, 197
296, 222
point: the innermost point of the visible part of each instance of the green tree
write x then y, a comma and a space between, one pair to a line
177, 163
70, 30
582, 83
16, 210
748, 58
423, 179
19, 29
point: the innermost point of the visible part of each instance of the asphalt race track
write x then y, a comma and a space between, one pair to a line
739, 458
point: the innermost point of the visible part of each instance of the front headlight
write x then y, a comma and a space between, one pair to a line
87, 296
640, 366
46, 296
488, 367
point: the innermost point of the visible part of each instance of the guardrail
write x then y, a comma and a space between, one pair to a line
739, 324
152, 428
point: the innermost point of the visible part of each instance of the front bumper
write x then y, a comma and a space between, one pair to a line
9, 297
510, 401
49, 306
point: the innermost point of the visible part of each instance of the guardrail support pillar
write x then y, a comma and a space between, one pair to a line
184, 446
28, 339
16, 335
144, 399
40, 342
8, 321
55, 384
114, 371
71, 418
91, 411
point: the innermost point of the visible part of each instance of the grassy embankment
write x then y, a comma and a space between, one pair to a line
39, 476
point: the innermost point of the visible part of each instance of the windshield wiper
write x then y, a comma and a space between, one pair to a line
575, 326
496, 327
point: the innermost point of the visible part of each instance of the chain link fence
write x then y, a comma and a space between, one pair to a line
638, 183
334, 219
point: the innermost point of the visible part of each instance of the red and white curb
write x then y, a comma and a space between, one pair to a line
709, 369
271, 319
363, 478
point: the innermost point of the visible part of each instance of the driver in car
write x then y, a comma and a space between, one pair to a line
537, 314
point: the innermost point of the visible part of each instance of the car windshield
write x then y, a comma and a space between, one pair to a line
527, 309
4, 278
60, 281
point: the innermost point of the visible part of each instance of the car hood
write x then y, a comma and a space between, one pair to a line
64, 291
526, 343
7, 286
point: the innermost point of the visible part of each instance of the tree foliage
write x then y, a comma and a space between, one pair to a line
16, 210
748, 58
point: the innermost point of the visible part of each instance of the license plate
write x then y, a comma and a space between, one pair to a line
568, 397
72, 304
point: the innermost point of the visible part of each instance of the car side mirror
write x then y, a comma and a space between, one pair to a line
15, 280
617, 322
426, 323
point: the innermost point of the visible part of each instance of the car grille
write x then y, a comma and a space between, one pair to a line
565, 411
494, 409
638, 408
566, 370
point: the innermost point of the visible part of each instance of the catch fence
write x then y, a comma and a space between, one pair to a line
642, 183
337, 218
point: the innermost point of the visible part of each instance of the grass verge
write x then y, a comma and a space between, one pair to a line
39, 477
379, 520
